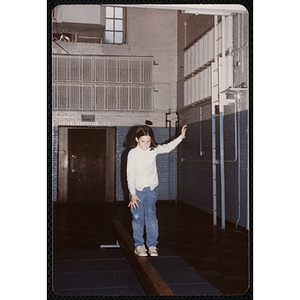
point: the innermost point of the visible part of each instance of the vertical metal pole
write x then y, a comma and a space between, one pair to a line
221, 113
169, 166
214, 167
238, 157
200, 130
213, 125
168, 124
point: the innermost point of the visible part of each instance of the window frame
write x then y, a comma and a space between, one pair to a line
124, 32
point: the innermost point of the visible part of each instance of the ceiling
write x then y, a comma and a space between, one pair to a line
201, 9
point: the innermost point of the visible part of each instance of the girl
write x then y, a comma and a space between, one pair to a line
142, 183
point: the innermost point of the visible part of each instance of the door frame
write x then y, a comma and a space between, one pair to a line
63, 162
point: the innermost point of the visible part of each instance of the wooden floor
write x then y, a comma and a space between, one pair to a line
187, 238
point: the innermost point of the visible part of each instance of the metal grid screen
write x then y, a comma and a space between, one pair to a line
197, 63
102, 83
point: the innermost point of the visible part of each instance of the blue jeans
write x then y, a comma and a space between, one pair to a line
145, 215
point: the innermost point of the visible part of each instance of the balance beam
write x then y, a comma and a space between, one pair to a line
149, 278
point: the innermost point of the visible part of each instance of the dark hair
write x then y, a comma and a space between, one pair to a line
142, 131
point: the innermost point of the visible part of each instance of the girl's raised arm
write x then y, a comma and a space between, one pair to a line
166, 148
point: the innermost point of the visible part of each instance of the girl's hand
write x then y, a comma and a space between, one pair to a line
183, 131
133, 203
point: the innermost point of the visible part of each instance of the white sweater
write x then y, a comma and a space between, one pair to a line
141, 165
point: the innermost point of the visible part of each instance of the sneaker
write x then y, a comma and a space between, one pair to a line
153, 251
141, 251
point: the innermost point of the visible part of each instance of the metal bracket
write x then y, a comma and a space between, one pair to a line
117, 245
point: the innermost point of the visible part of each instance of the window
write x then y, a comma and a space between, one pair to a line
102, 83
200, 77
114, 25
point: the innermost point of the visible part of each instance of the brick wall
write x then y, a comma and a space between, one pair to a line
195, 171
166, 166
54, 161
150, 32
197, 26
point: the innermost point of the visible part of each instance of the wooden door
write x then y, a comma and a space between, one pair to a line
87, 165
93, 164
